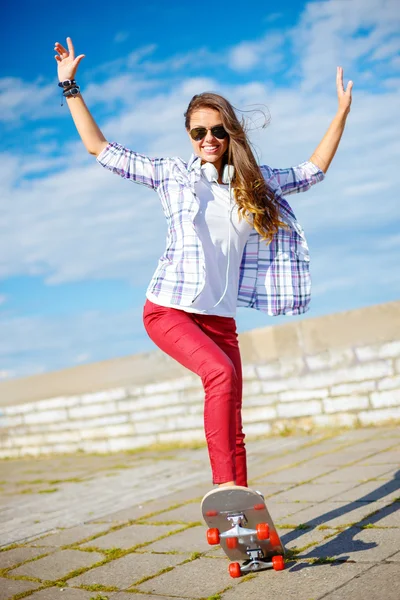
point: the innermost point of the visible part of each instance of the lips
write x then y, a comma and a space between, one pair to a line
210, 149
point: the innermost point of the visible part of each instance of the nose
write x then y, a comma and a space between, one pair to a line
209, 136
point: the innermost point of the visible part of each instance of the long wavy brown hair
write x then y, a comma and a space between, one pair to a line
256, 202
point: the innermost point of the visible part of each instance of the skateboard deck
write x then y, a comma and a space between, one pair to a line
239, 521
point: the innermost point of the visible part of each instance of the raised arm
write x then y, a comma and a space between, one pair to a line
87, 127
326, 149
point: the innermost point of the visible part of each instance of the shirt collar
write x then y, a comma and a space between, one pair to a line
194, 163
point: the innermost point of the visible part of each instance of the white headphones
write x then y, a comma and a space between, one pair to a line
211, 173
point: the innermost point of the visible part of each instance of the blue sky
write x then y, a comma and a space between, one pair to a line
79, 245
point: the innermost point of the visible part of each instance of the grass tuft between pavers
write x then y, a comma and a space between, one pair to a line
98, 587
148, 577
24, 578
25, 594
324, 560
219, 595
171, 522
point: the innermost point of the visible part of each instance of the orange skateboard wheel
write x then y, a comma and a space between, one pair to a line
234, 570
232, 543
262, 531
213, 536
278, 563
274, 538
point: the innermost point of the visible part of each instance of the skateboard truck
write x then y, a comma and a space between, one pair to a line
256, 562
237, 529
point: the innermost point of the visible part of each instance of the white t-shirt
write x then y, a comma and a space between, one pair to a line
223, 236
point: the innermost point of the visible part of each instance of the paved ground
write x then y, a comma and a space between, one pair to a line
127, 526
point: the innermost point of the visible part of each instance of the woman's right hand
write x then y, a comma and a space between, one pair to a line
67, 64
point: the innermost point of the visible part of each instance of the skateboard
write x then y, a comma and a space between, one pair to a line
239, 521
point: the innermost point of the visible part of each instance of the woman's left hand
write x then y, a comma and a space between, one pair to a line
344, 95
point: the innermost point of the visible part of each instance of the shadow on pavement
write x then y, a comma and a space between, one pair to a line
344, 541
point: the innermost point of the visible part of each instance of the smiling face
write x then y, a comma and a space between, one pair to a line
210, 149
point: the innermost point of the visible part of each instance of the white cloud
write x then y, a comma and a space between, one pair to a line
268, 52
340, 33
244, 56
7, 374
121, 36
82, 358
27, 100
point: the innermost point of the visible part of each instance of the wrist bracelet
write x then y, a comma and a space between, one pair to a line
70, 89
66, 83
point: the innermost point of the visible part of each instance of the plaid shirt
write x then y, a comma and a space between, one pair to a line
274, 278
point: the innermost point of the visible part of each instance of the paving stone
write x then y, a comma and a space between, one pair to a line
371, 584
394, 557
297, 474
58, 564
10, 587
356, 474
386, 516
391, 474
281, 512
127, 596
269, 465
392, 519
130, 514
378, 444
365, 545
10, 558
131, 535
301, 581
123, 572
333, 514
56, 593
363, 434
383, 458
335, 459
73, 535
371, 491
269, 489
200, 578
190, 513
312, 492
216, 552
160, 504
298, 538
191, 540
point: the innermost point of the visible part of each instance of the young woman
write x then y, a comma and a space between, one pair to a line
232, 241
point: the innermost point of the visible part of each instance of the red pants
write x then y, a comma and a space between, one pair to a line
208, 346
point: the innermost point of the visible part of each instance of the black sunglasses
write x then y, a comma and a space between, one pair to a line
199, 133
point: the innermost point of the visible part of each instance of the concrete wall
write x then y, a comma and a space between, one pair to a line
341, 369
